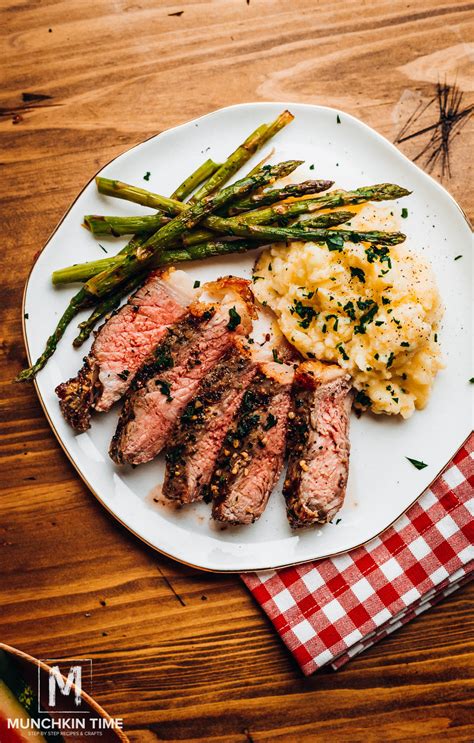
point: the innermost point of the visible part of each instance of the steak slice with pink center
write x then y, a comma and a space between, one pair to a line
122, 344
318, 443
253, 452
171, 377
199, 434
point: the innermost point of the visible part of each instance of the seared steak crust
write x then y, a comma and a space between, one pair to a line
252, 455
199, 434
120, 347
170, 378
317, 443
77, 396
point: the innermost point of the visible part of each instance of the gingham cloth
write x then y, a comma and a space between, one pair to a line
327, 612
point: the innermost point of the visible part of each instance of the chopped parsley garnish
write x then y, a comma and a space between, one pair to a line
436, 337
471, 381
276, 357
458, 257
26, 316
380, 253
341, 350
405, 344
404, 213
269, 267
164, 360
270, 422
165, 388
306, 313
376, 355
338, 119
335, 243
416, 463
390, 360
102, 248
308, 295
147, 175
357, 273
336, 320
256, 278
379, 323
349, 310
124, 374
196, 284
385, 300
234, 319
311, 167
362, 399
367, 317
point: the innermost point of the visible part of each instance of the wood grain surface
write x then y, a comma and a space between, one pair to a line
183, 655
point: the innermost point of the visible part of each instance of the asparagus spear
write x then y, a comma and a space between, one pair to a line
262, 162
271, 233
197, 252
242, 154
279, 194
324, 221
121, 190
194, 180
85, 271
118, 226
109, 279
321, 221
331, 200
78, 302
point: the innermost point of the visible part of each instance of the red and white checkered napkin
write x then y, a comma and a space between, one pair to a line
331, 610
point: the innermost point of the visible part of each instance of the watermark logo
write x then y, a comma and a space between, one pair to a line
65, 685
66, 681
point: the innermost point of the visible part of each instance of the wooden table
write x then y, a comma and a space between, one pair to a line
183, 655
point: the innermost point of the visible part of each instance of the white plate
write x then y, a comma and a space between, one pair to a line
382, 483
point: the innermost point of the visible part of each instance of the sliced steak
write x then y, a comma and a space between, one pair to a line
170, 378
122, 344
252, 455
199, 435
318, 443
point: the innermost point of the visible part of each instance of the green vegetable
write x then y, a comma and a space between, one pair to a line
416, 463
242, 154
201, 174
362, 399
357, 273
270, 422
234, 319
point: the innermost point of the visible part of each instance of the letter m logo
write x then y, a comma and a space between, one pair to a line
65, 685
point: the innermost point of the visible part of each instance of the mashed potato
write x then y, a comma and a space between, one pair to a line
373, 312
